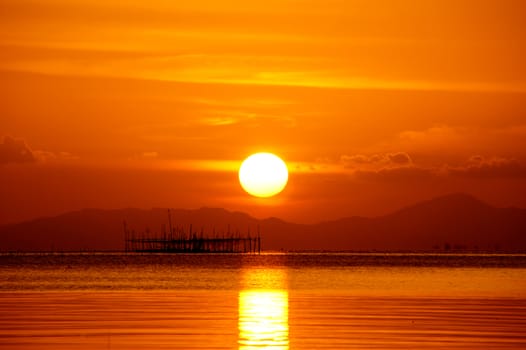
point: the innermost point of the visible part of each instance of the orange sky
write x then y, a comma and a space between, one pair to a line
374, 104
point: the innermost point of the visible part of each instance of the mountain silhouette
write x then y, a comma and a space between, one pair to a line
456, 221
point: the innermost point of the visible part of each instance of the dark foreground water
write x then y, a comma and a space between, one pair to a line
272, 301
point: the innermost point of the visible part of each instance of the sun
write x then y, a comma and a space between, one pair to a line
263, 174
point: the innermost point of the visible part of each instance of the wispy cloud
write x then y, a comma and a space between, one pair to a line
376, 160
15, 151
353, 46
493, 167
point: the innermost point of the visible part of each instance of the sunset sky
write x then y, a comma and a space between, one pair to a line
373, 104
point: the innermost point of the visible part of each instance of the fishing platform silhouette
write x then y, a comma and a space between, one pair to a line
178, 239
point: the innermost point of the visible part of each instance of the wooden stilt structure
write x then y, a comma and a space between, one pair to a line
179, 240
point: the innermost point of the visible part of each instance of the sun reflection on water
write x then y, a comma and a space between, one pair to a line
263, 311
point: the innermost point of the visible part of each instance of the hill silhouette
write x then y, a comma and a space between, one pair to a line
456, 221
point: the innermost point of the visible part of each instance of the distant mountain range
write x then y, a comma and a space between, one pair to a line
452, 222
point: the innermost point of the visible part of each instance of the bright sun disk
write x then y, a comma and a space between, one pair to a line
263, 174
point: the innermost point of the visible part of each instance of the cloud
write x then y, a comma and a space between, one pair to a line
399, 158
476, 159
476, 167
400, 167
49, 157
480, 167
348, 161
15, 151
396, 174
360, 161
395, 166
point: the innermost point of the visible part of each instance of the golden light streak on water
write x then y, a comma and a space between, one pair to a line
263, 310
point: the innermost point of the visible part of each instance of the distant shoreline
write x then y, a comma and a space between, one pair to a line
277, 252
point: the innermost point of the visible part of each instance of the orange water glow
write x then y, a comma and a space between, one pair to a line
263, 311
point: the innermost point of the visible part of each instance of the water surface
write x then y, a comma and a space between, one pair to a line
272, 301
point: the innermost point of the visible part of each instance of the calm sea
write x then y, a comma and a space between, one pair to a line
270, 301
